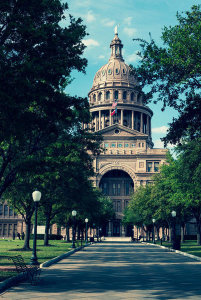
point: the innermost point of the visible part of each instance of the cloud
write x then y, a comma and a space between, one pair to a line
128, 20
101, 57
90, 17
160, 144
130, 31
90, 43
108, 23
132, 57
162, 129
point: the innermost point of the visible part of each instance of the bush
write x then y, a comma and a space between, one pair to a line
51, 237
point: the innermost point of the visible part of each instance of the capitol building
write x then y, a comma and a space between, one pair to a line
119, 114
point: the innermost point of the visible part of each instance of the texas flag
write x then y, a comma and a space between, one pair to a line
114, 112
114, 104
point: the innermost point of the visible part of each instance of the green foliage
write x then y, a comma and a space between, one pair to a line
172, 73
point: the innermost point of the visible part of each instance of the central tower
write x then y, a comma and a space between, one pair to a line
120, 115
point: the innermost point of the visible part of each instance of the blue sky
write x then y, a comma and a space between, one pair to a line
136, 18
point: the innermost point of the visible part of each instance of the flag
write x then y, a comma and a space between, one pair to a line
114, 112
114, 104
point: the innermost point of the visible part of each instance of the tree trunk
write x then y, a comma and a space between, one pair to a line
78, 233
198, 233
170, 234
157, 233
163, 233
67, 234
182, 233
27, 235
47, 227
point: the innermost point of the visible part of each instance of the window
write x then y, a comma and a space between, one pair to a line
109, 71
117, 205
99, 96
0, 229
124, 72
106, 145
149, 167
124, 95
126, 145
10, 229
116, 95
5, 229
105, 188
133, 145
141, 182
142, 144
113, 145
103, 72
156, 166
119, 145
94, 98
117, 71
116, 189
139, 145
127, 191
107, 95
10, 211
1, 209
126, 203
5, 210
132, 96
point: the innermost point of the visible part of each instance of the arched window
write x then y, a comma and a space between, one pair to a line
124, 95
99, 96
117, 71
107, 95
132, 96
94, 97
116, 95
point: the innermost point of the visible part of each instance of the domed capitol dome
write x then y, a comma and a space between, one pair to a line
116, 70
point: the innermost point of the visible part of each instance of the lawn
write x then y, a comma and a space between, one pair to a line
188, 246
12, 248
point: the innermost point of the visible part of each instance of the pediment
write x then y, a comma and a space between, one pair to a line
124, 131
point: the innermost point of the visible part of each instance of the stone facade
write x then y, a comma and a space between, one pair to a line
129, 159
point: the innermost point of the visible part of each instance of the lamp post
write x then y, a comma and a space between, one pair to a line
74, 213
173, 213
36, 198
86, 234
154, 220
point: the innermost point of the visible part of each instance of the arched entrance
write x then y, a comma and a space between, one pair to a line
118, 185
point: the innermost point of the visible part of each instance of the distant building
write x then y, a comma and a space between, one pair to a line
129, 159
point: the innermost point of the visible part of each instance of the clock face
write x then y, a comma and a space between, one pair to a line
117, 131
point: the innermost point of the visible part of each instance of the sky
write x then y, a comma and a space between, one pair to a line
135, 19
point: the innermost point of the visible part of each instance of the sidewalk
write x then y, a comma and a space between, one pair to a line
117, 271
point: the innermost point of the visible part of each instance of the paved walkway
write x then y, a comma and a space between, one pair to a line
116, 271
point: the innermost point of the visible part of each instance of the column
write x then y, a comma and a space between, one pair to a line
110, 229
103, 120
110, 117
148, 129
150, 126
122, 116
141, 123
95, 118
99, 117
132, 120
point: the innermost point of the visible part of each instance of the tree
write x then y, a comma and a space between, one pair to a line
172, 72
37, 56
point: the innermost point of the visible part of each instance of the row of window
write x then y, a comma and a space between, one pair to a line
115, 95
5, 210
119, 205
117, 189
8, 229
117, 71
152, 166
124, 145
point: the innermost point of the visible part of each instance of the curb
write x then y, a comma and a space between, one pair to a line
176, 251
4, 285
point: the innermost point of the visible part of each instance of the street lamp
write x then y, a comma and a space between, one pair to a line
154, 220
173, 229
86, 236
36, 198
74, 213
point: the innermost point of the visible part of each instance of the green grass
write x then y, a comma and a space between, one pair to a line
188, 246
12, 248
